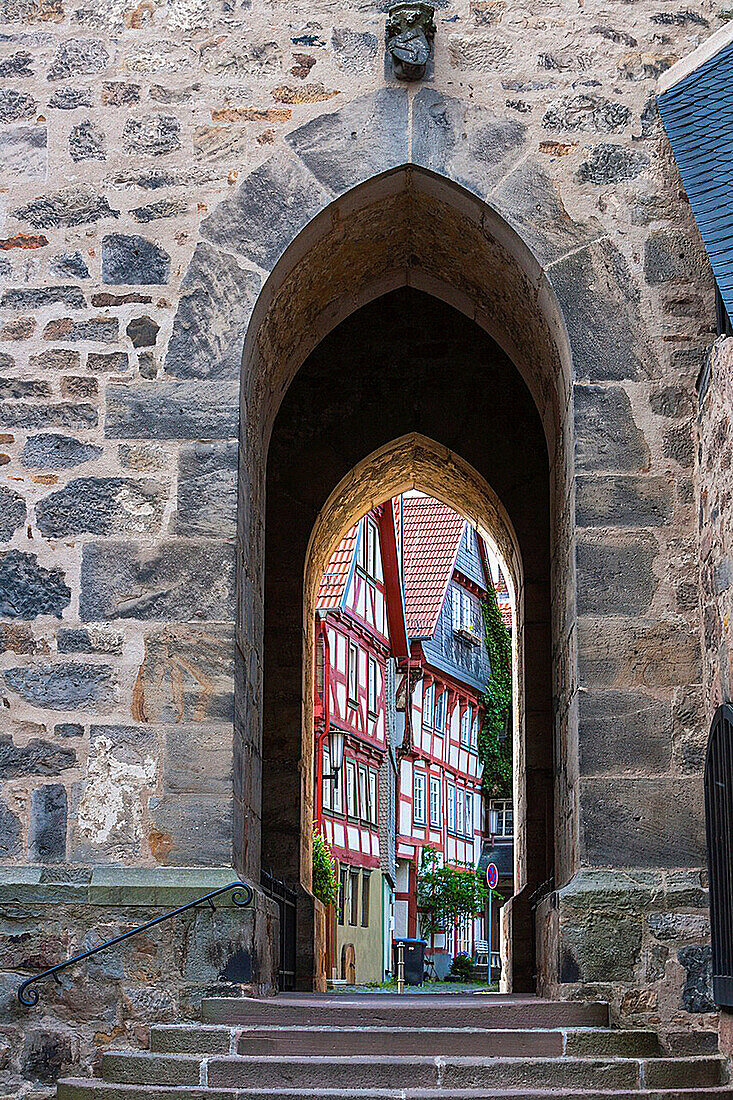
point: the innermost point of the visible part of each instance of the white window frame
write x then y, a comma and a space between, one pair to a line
362, 772
474, 731
428, 704
436, 808
451, 806
460, 806
353, 674
337, 795
352, 790
465, 730
373, 797
419, 798
469, 814
373, 686
501, 818
441, 712
327, 783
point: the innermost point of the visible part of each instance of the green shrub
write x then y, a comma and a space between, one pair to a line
495, 742
463, 968
446, 895
325, 883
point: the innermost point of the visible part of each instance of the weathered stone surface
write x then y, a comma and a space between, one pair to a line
198, 760
658, 654
63, 415
164, 208
83, 640
606, 434
173, 410
669, 257
616, 578
24, 151
68, 99
192, 831
99, 329
601, 947
186, 675
34, 758
57, 452
29, 298
100, 506
143, 332
697, 993
47, 1052
152, 134
11, 839
207, 489
131, 259
87, 141
680, 445
72, 206
70, 264
622, 731
64, 686
68, 729
28, 590
269, 208
609, 163
14, 389
355, 51
623, 501
47, 832
12, 513
674, 926
530, 202
147, 365
17, 637
108, 362
212, 317
364, 138
118, 93
81, 387
15, 105
642, 822
587, 111
56, 359
19, 64
78, 56
174, 582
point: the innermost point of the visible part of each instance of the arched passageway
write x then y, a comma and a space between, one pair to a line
405, 363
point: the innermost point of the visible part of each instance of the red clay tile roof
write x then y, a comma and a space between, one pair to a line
432, 535
333, 581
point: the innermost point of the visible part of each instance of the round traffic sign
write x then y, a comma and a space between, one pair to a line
492, 876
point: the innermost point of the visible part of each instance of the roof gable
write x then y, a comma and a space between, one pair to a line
431, 538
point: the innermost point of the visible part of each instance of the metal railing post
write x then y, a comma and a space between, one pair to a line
400, 968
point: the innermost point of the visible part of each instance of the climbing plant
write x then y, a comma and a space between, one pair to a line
325, 884
494, 742
446, 895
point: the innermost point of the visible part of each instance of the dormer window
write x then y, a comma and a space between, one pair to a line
464, 615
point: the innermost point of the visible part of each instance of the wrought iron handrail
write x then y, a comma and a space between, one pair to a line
242, 897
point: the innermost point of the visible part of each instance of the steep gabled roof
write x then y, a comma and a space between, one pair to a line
432, 534
335, 579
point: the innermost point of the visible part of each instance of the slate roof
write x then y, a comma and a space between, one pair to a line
334, 580
697, 112
501, 854
431, 538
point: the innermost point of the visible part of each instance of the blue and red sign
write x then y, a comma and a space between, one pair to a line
492, 876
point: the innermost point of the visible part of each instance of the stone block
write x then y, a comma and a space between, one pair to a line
176, 580
108, 362
600, 947
267, 211
104, 330
212, 316
530, 202
622, 731
367, 136
61, 415
56, 359
70, 265
163, 208
57, 452
173, 410
87, 141
27, 589
69, 686
78, 57
644, 822
11, 836
587, 112
207, 489
12, 513
91, 640
133, 260
24, 151
697, 992
15, 105
616, 578
610, 163
62, 209
670, 257
101, 506
37, 757
154, 135
68, 729
142, 332
186, 675
69, 99
678, 926
606, 434
47, 1053
623, 501
47, 831
191, 830
198, 760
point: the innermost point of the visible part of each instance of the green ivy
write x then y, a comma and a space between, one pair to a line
325, 883
495, 742
445, 895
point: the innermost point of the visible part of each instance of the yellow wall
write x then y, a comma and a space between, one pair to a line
367, 942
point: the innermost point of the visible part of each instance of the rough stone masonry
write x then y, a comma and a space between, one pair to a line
157, 159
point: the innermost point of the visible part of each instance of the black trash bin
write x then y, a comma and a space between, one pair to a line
414, 956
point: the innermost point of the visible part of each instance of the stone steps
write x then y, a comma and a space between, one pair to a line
486, 1042
83, 1089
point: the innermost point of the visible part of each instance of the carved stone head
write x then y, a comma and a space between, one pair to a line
410, 34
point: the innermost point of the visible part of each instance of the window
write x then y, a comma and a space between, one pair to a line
501, 818
353, 674
320, 665
343, 887
337, 792
352, 808
353, 897
440, 709
462, 609
460, 798
466, 721
451, 798
368, 554
363, 793
469, 814
373, 798
428, 702
365, 876
474, 733
373, 686
418, 808
435, 800
327, 782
